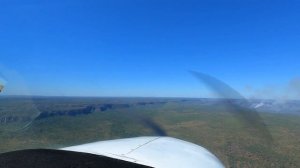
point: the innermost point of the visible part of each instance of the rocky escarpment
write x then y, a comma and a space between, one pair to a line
73, 111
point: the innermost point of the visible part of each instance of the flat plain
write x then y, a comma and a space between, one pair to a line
55, 122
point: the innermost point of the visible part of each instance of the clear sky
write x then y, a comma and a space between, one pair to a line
145, 47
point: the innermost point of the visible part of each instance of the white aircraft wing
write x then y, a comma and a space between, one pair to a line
160, 152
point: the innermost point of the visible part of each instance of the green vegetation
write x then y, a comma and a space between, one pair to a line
208, 124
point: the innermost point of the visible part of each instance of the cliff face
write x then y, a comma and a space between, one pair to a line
71, 111
92, 108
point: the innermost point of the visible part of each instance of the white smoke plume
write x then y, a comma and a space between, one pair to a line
281, 93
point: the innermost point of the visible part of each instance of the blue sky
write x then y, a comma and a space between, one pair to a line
145, 47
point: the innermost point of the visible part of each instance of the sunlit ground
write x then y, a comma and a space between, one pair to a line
211, 126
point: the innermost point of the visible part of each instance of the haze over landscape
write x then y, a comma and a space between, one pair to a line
79, 71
